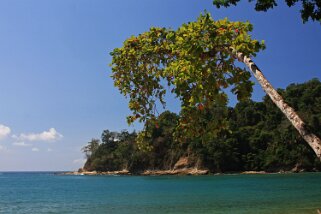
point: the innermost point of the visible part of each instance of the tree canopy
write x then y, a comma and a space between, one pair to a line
91, 147
310, 8
196, 64
259, 138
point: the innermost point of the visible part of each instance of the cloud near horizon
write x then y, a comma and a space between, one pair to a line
22, 144
49, 136
4, 131
35, 149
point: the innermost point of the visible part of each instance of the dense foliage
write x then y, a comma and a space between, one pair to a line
194, 62
310, 8
258, 137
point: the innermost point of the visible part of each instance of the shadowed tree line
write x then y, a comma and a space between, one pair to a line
257, 137
310, 9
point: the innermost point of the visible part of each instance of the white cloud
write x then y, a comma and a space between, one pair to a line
4, 131
79, 161
50, 135
22, 144
35, 149
49, 150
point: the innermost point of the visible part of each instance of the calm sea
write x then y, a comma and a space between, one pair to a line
45, 192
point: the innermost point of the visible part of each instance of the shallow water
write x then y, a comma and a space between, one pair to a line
46, 192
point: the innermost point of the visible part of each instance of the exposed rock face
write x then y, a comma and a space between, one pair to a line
185, 171
184, 166
254, 172
297, 168
182, 163
82, 172
121, 172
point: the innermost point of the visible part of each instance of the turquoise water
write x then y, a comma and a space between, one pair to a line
50, 193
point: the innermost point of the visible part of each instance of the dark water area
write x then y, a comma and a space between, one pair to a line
46, 192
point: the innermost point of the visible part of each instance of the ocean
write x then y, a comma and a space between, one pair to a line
46, 192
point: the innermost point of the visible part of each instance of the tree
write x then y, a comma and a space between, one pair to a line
91, 147
198, 62
310, 8
313, 140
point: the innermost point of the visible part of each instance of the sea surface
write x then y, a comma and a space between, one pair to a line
46, 192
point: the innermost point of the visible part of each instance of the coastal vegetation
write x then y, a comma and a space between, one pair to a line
310, 9
257, 137
198, 62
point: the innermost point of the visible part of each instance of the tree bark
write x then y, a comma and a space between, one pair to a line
297, 122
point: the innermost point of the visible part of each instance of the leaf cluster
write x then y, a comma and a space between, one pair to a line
310, 8
194, 62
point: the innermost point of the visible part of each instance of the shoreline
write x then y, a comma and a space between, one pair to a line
177, 172
184, 171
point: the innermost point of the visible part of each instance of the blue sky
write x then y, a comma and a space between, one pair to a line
55, 89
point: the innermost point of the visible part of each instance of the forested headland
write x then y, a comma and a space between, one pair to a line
257, 137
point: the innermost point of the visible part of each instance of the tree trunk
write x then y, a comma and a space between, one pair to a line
297, 122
